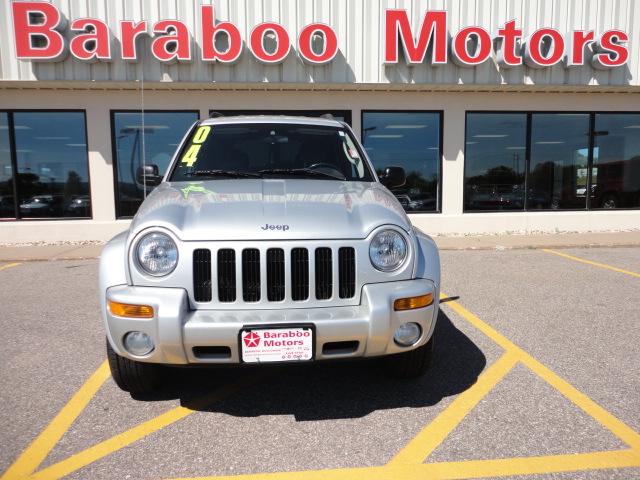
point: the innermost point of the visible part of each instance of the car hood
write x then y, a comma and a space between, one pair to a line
269, 209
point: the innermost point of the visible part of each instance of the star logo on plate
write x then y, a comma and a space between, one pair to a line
251, 339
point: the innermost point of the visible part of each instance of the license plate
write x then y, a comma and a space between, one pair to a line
282, 344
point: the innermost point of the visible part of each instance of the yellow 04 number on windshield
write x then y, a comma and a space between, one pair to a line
190, 157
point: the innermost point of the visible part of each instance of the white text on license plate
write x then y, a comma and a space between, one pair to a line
276, 344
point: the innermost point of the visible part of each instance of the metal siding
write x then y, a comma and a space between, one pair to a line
358, 23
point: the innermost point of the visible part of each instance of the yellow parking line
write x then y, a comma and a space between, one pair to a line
457, 470
532, 465
35, 453
435, 433
9, 265
618, 428
117, 442
589, 262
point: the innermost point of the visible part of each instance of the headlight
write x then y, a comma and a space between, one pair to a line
157, 254
387, 250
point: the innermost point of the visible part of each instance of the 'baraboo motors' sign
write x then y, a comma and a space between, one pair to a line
43, 34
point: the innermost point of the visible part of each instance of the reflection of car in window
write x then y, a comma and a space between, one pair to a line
41, 206
6, 206
270, 239
613, 184
78, 206
495, 196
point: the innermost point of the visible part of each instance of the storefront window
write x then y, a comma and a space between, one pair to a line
495, 153
342, 115
150, 141
7, 207
51, 158
559, 161
615, 176
410, 140
559, 150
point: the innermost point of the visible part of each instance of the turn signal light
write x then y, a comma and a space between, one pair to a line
132, 311
411, 303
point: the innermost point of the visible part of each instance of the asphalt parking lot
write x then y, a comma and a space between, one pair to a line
536, 373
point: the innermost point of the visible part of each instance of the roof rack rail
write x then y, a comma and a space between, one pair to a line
327, 116
214, 114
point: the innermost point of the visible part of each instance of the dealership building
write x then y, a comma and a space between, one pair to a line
507, 116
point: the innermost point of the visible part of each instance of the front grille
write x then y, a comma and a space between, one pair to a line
289, 274
275, 274
299, 274
227, 275
251, 275
324, 273
347, 271
202, 275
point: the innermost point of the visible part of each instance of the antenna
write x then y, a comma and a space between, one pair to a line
144, 155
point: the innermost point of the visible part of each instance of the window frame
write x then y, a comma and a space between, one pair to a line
114, 148
529, 113
440, 113
14, 161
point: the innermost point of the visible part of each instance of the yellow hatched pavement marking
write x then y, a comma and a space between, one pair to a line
117, 442
434, 434
405, 465
456, 470
9, 265
591, 408
589, 262
35, 453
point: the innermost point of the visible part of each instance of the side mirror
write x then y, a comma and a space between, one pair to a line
149, 175
393, 177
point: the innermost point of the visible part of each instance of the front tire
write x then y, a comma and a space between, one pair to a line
412, 364
131, 376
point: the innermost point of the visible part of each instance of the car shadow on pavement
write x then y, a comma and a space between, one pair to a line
330, 390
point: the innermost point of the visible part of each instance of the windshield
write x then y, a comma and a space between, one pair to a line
271, 151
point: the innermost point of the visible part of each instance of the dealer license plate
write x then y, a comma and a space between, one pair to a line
261, 345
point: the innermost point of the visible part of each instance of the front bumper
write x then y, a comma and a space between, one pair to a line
176, 330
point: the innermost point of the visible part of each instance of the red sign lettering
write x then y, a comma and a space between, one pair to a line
173, 43
433, 29
38, 41
305, 43
210, 32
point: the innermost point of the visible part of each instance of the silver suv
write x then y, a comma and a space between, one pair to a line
270, 239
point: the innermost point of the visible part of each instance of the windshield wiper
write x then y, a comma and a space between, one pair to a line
301, 172
223, 173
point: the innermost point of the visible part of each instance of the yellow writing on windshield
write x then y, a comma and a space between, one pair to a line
190, 157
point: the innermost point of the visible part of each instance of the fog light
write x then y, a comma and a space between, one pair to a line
411, 303
138, 343
132, 311
407, 334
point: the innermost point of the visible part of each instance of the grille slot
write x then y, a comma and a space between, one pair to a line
202, 291
347, 271
227, 275
299, 274
324, 273
275, 274
251, 275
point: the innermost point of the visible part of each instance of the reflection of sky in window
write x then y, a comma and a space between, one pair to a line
408, 139
559, 138
619, 138
494, 140
51, 144
162, 134
5, 154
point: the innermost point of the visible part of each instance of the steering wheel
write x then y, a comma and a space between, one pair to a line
326, 166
